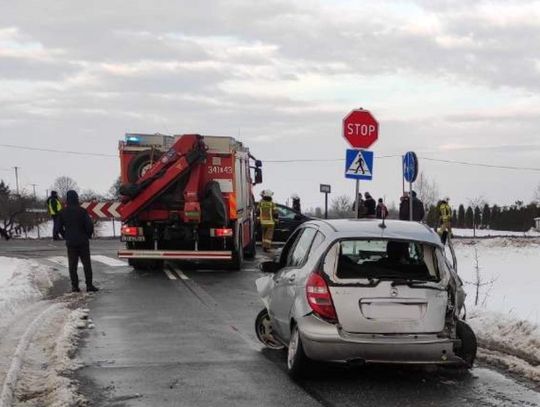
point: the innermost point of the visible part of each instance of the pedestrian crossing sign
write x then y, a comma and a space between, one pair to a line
359, 164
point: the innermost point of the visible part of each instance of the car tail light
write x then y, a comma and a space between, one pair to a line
130, 231
221, 232
319, 298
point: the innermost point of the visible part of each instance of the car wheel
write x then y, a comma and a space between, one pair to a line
263, 329
467, 351
297, 361
251, 250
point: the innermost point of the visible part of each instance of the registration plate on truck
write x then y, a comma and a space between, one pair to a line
132, 239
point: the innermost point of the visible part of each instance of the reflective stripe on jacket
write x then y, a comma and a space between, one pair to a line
266, 211
54, 206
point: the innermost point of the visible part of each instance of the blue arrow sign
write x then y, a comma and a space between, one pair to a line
359, 164
410, 166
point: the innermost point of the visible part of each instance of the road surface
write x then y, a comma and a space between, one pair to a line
181, 337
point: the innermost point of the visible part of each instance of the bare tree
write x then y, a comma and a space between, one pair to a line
536, 196
13, 212
114, 190
476, 202
427, 190
479, 281
63, 184
340, 207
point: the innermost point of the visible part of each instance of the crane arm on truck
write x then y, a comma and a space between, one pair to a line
187, 152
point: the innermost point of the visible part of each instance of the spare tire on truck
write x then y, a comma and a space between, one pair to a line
141, 163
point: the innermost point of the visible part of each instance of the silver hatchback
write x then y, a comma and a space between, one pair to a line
364, 291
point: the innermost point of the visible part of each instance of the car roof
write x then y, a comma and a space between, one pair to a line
371, 228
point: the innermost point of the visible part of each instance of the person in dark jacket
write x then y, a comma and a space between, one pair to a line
361, 210
77, 228
418, 208
381, 210
370, 205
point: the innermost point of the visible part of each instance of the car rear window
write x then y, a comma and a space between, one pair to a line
386, 259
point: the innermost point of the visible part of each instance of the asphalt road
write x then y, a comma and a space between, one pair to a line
184, 337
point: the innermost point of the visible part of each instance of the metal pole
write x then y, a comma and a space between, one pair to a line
410, 202
356, 199
34, 187
113, 228
17, 178
403, 175
326, 205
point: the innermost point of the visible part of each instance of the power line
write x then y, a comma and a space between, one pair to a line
302, 160
50, 150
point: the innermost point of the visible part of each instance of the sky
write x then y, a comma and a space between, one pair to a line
450, 80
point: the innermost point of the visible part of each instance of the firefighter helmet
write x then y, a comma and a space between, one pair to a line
266, 193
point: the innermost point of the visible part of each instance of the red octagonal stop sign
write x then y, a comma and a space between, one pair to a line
360, 129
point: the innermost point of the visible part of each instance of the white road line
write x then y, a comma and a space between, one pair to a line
62, 260
109, 261
169, 274
181, 274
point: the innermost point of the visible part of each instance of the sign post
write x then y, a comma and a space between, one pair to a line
410, 172
325, 189
361, 130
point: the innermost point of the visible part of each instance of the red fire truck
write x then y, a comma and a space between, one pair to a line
187, 197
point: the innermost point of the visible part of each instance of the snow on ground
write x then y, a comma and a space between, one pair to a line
507, 317
38, 337
105, 228
493, 233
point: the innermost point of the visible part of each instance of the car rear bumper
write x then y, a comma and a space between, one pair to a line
326, 342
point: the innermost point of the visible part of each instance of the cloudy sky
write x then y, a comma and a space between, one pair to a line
450, 80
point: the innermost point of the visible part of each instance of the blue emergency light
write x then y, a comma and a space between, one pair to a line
133, 139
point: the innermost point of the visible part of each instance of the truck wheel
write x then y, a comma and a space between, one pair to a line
140, 164
237, 256
251, 250
467, 351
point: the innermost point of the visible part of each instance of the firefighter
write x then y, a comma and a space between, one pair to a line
54, 206
445, 219
268, 217
296, 203
77, 226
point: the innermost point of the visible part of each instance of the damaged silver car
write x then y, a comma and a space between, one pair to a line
364, 291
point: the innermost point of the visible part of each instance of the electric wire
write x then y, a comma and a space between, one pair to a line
301, 160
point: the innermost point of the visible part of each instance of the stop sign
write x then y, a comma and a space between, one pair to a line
360, 128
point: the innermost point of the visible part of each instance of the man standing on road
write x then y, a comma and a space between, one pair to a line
445, 219
54, 206
268, 216
77, 228
359, 206
418, 208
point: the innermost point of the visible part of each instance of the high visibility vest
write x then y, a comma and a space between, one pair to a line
266, 210
54, 206
445, 212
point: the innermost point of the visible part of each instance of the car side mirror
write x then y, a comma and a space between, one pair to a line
269, 267
258, 176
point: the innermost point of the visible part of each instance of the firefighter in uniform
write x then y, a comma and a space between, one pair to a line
54, 206
445, 219
267, 216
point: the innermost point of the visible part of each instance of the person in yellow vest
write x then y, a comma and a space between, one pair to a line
445, 219
54, 206
268, 217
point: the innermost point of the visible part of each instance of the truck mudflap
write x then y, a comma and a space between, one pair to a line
175, 254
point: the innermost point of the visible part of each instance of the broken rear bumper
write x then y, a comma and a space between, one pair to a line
327, 342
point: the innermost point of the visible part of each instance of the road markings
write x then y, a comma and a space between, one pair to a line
109, 261
169, 274
181, 274
61, 260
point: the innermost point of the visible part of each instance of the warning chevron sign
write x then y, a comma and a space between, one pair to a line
359, 164
102, 210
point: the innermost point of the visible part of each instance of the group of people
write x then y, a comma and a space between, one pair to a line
366, 207
72, 223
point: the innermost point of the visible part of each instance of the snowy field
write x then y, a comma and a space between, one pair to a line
507, 317
38, 337
103, 229
493, 233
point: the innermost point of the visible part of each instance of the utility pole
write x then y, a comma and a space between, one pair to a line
17, 178
34, 186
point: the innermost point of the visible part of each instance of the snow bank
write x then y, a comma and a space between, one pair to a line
106, 228
493, 233
22, 282
508, 342
510, 267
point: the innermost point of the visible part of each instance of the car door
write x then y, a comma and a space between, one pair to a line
283, 293
289, 220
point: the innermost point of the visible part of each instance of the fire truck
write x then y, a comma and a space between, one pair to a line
187, 197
